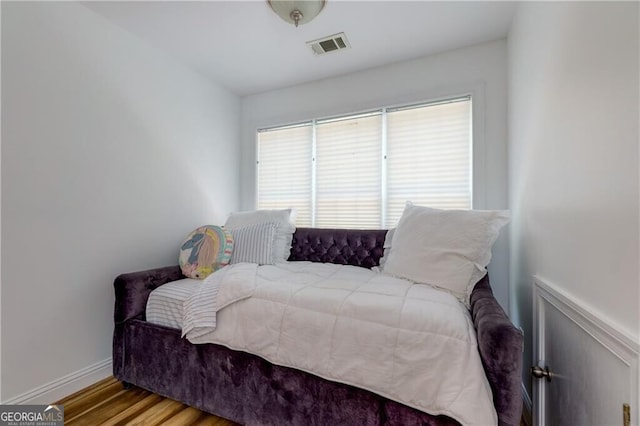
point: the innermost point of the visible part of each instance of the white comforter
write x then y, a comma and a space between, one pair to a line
405, 341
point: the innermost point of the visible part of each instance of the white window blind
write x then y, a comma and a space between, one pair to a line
284, 170
358, 171
429, 157
348, 172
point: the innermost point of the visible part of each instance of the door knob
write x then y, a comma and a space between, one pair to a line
539, 372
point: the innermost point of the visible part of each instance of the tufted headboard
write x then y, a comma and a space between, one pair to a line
343, 246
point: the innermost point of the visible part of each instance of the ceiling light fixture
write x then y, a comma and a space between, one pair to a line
297, 12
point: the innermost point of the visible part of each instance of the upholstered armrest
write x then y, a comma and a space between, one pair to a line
500, 345
133, 289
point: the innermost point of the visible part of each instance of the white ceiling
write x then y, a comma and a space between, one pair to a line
245, 47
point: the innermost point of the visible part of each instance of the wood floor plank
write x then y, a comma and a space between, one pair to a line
184, 417
210, 420
134, 410
103, 411
80, 405
160, 412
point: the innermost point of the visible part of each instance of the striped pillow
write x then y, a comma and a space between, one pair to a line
284, 218
254, 244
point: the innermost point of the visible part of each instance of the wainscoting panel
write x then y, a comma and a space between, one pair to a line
594, 366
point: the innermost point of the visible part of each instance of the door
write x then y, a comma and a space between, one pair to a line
593, 367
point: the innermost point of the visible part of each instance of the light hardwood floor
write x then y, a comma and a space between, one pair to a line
107, 403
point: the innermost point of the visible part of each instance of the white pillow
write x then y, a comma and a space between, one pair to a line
254, 244
285, 219
447, 249
387, 246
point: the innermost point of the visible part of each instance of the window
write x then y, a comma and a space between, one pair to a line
358, 171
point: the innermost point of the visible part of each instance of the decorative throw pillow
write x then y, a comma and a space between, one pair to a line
447, 249
205, 250
285, 219
254, 244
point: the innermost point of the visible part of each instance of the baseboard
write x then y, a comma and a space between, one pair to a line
527, 407
64, 386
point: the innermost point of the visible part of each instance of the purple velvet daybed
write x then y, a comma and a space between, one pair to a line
249, 390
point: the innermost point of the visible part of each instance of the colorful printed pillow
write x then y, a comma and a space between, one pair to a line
205, 250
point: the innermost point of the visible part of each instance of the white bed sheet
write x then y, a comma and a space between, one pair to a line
165, 304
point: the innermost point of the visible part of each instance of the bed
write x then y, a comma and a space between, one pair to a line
248, 389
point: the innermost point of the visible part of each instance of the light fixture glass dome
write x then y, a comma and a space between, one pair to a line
297, 12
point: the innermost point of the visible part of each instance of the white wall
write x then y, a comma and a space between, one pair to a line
111, 154
480, 70
573, 157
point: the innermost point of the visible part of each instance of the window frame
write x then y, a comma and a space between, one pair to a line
475, 90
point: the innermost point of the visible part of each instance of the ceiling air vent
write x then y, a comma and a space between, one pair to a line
329, 44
